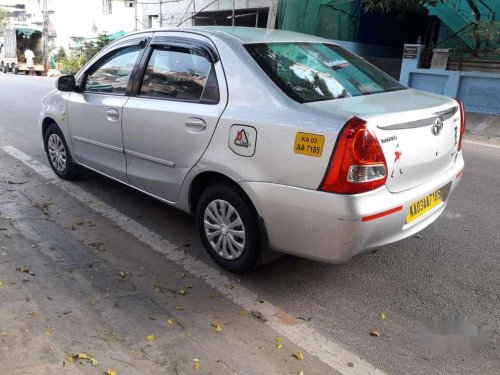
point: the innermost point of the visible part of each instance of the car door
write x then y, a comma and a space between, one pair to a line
168, 123
95, 112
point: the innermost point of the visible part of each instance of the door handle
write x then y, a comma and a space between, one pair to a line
112, 114
195, 125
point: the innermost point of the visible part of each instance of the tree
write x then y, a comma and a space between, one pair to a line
90, 49
385, 6
4, 19
61, 54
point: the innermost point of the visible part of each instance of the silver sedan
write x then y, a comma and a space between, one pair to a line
278, 142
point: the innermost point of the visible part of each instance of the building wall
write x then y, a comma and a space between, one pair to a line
87, 19
172, 13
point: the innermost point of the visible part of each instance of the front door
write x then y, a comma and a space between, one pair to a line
168, 125
95, 114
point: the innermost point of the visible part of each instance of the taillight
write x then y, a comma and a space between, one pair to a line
357, 164
462, 122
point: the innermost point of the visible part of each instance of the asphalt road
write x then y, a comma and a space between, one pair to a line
451, 268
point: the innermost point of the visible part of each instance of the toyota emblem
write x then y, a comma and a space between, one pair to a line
437, 126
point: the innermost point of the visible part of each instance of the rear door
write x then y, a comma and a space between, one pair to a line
169, 120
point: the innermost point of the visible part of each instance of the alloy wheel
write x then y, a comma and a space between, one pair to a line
224, 229
57, 152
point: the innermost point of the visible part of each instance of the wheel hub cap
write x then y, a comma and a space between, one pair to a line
57, 152
224, 229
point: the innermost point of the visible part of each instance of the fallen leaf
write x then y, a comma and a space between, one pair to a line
244, 312
279, 346
300, 373
381, 315
25, 270
93, 361
278, 339
79, 222
1, 283
217, 327
179, 308
150, 338
170, 321
183, 275
299, 356
375, 332
111, 372
82, 356
196, 363
182, 292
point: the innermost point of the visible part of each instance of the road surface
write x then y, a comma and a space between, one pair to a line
451, 268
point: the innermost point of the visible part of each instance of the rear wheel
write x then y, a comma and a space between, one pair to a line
59, 155
228, 226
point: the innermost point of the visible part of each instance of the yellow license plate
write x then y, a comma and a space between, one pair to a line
309, 144
423, 205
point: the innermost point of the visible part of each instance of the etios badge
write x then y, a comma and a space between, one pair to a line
437, 126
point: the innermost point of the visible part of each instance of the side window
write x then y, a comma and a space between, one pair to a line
112, 74
176, 73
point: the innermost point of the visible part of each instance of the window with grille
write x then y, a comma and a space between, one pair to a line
107, 6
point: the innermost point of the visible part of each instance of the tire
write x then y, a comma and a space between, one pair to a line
59, 155
240, 253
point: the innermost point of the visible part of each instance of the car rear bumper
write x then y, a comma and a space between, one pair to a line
332, 227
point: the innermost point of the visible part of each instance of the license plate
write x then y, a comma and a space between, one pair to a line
423, 205
309, 144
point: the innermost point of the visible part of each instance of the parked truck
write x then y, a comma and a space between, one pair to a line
13, 44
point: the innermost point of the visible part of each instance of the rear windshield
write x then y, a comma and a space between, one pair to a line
309, 72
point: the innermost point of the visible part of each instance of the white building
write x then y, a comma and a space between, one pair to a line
208, 12
75, 21
79, 20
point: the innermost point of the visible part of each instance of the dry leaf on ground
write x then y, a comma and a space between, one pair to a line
150, 338
217, 327
299, 356
375, 332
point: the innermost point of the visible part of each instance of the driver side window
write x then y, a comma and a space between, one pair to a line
111, 75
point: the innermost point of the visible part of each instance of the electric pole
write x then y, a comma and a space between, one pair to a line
136, 19
273, 10
45, 36
234, 4
160, 15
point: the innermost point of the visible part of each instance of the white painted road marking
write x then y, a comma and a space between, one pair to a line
286, 325
481, 144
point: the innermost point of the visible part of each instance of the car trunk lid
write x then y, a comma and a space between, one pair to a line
418, 132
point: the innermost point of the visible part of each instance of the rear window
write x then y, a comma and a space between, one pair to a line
309, 72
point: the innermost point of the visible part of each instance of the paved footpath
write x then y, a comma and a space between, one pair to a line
72, 283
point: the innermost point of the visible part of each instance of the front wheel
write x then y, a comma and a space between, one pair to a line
59, 155
229, 229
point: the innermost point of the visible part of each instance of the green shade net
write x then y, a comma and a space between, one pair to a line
332, 19
26, 32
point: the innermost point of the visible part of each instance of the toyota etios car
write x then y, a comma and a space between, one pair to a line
275, 140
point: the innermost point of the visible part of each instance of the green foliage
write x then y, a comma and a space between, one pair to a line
72, 64
75, 61
90, 49
385, 6
60, 55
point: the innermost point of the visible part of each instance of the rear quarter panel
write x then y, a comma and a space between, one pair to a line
255, 101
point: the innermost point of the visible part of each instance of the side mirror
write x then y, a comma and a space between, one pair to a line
66, 83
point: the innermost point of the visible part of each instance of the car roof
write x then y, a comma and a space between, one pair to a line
250, 35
